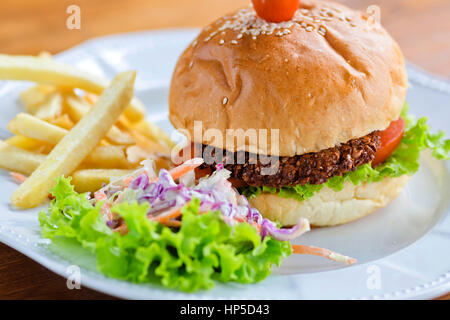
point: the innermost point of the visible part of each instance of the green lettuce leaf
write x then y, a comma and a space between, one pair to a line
404, 160
203, 250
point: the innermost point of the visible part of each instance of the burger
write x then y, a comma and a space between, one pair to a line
331, 83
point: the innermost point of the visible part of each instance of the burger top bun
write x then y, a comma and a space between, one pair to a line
329, 75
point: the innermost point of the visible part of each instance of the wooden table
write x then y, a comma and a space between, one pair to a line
27, 27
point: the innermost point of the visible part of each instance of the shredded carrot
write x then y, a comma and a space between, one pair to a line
176, 172
128, 180
106, 207
184, 168
100, 195
122, 229
166, 219
172, 214
300, 249
254, 224
18, 177
173, 223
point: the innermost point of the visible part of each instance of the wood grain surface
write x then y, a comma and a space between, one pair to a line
421, 27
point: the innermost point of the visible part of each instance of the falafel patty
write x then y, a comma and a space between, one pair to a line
312, 168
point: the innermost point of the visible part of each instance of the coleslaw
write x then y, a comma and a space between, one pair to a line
146, 227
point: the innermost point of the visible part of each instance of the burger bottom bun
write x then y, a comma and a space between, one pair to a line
328, 207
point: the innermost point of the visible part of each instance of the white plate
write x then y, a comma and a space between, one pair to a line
403, 250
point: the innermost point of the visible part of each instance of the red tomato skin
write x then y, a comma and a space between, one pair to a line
276, 10
389, 140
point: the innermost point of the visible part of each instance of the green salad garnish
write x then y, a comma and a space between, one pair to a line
205, 248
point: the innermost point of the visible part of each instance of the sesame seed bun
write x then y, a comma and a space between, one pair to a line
327, 76
328, 207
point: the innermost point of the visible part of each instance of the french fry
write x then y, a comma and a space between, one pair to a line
136, 154
74, 147
93, 179
148, 144
25, 143
32, 127
19, 160
108, 157
63, 121
33, 97
78, 107
44, 149
90, 98
119, 137
51, 108
136, 111
153, 132
44, 70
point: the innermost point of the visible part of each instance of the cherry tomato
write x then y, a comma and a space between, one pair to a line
276, 10
389, 138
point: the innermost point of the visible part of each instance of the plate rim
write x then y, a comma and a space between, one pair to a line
415, 74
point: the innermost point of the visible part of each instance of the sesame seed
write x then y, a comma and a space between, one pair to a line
222, 41
191, 64
309, 28
225, 101
234, 42
245, 21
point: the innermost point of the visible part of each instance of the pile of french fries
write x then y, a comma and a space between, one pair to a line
75, 124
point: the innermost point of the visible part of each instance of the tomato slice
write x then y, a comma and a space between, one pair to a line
276, 10
389, 138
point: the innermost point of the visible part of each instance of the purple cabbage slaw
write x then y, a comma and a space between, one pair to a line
215, 192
